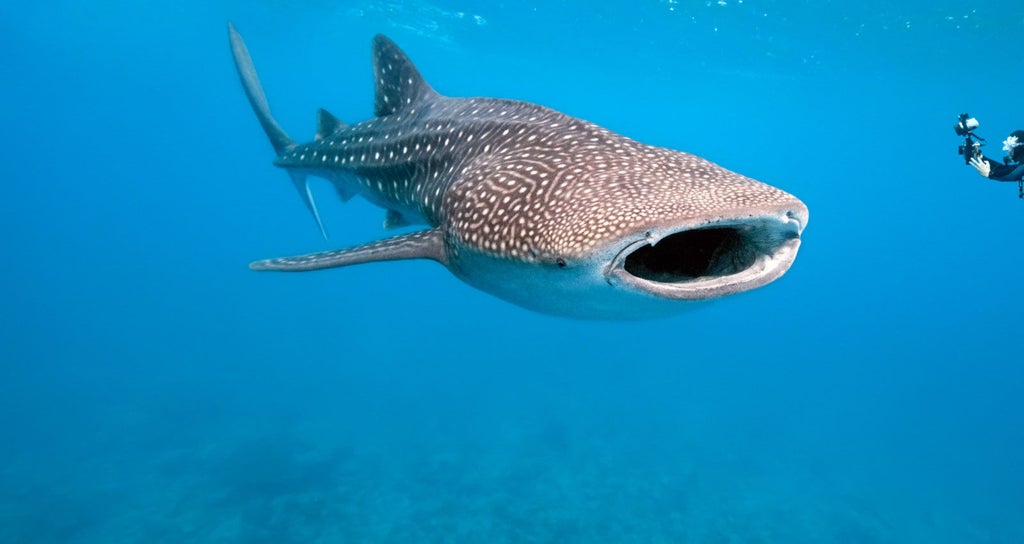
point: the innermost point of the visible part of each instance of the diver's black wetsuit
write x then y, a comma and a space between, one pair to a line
1005, 172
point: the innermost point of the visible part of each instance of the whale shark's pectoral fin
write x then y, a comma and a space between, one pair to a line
424, 244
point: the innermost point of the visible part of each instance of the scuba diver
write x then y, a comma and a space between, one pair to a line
1012, 166
1013, 169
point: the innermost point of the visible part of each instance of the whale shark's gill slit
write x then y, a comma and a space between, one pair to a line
694, 254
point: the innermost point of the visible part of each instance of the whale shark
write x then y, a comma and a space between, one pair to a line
544, 210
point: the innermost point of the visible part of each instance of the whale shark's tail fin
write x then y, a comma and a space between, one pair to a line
254, 91
278, 138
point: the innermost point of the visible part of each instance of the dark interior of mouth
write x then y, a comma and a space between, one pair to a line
694, 254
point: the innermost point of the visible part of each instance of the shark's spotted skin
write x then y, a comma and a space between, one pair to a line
545, 210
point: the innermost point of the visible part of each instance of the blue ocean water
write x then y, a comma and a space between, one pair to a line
153, 389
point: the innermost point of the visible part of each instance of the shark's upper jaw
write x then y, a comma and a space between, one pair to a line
712, 258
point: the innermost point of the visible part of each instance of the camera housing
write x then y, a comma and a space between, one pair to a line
965, 125
971, 147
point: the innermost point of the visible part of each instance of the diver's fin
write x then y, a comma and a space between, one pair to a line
253, 90
301, 185
327, 124
424, 244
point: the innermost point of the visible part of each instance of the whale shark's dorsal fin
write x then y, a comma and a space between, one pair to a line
327, 124
399, 83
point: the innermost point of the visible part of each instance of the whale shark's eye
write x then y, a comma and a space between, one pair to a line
560, 262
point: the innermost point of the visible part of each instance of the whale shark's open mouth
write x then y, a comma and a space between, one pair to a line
712, 260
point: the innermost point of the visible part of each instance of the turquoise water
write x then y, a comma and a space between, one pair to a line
153, 389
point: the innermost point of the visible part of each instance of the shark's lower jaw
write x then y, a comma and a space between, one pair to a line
711, 260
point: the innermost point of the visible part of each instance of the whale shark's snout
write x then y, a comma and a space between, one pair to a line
711, 259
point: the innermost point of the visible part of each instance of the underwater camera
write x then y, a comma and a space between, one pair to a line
971, 148
965, 124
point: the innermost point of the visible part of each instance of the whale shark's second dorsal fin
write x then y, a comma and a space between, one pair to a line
399, 83
327, 124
